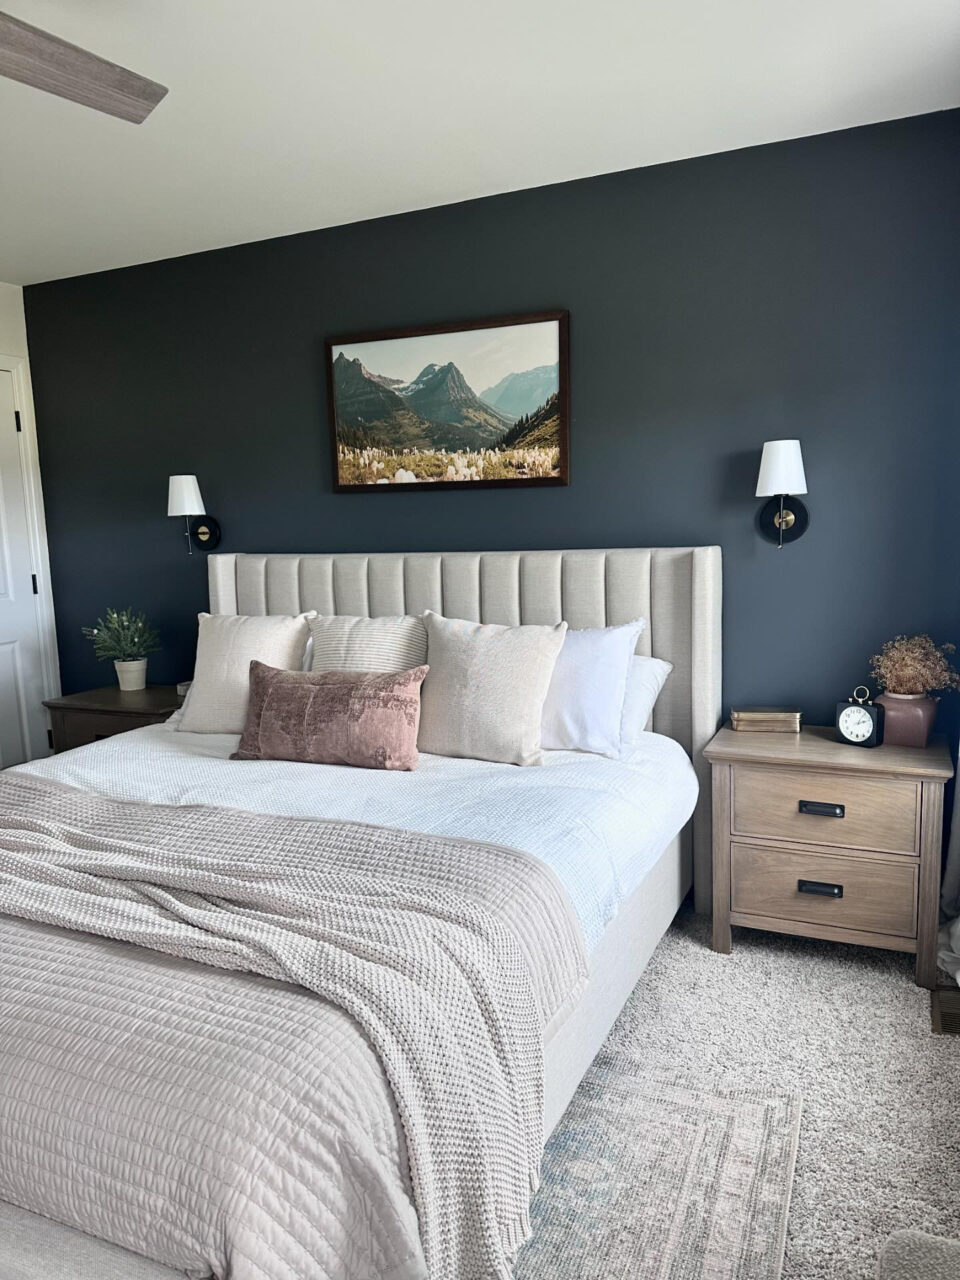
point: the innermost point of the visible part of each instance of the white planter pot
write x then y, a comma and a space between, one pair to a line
132, 675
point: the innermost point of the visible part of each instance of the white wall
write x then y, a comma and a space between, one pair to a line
13, 342
13, 328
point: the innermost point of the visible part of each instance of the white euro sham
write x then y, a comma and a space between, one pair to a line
583, 710
644, 685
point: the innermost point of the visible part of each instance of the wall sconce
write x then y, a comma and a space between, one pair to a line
184, 500
784, 518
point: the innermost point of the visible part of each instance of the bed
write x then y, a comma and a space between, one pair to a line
627, 816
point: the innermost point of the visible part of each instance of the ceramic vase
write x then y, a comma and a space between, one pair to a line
132, 675
907, 718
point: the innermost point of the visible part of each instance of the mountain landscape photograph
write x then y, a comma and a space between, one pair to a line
405, 408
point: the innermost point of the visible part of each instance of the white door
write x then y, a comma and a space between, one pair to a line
23, 721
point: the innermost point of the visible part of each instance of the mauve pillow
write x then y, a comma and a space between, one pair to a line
361, 718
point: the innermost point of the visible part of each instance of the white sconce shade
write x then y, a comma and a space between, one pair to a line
184, 497
781, 469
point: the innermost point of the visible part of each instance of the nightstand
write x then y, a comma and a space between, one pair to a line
81, 718
825, 840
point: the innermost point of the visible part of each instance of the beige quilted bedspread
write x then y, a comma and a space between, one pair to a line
361, 1097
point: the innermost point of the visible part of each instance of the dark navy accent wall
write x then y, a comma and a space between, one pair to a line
807, 288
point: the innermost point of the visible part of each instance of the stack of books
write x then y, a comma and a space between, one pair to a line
766, 719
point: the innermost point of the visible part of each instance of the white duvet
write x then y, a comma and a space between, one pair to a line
599, 823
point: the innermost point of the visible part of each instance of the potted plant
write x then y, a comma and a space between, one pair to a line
127, 638
909, 669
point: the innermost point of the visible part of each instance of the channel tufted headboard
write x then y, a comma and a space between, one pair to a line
677, 589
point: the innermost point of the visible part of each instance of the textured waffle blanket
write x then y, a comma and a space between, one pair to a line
173, 1110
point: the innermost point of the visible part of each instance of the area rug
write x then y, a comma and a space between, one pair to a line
847, 1029
650, 1178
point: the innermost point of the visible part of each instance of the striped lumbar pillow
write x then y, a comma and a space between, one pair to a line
342, 643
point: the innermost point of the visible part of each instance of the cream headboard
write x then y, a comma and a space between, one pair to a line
677, 589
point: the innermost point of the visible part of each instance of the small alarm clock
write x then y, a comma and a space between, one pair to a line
860, 721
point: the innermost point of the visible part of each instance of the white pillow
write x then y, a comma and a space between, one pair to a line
483, 695
584, 706
226, 645
342, 643
644, 683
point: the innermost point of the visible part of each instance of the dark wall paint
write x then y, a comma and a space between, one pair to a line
806, 289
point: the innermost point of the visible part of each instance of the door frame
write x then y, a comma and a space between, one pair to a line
18, 367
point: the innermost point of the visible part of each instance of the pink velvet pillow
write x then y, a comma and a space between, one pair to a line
368, 719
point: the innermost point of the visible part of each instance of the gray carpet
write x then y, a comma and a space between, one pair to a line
844, 1027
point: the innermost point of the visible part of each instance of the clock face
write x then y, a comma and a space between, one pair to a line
855, 723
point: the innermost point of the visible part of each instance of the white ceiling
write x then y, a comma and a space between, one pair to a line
297, 114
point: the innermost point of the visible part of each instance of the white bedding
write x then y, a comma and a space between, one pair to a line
599, 823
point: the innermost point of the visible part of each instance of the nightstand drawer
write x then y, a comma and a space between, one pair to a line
826, 808
873, 897
80, 728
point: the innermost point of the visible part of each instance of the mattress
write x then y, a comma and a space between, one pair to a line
598, 823
608, 829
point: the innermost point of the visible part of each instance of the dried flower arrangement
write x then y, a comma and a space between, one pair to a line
914, 664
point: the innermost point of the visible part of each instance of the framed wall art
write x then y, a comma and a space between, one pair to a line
483, 403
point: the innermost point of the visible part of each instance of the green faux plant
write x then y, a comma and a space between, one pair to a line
123, 635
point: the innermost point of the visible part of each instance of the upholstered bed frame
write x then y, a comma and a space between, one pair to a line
678, 591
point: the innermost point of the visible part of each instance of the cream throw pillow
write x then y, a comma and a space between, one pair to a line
483, 696
226, 645
388, 644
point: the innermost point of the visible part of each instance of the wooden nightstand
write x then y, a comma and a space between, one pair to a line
81, 718
815, 837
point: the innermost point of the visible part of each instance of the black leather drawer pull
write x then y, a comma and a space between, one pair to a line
820, 888
820, 810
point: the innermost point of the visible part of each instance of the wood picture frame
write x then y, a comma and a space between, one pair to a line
424, 426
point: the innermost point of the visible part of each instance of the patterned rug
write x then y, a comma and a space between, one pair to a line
647, 1178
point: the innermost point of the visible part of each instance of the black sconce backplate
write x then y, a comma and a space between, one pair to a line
204, 533
769, 514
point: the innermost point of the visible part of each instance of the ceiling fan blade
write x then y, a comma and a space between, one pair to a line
36, 58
